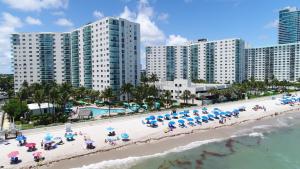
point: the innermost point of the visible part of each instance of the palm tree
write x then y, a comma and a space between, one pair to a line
186, 96
153, 78
65, 90
108, 94
127, 89
53, 96
193, 96
39, 97
167, 95
144, 78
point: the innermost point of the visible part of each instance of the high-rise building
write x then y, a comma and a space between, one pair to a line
279, 62
41, 58
220, 61
289, 25
102, 54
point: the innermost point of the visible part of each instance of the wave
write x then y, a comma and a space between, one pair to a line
256, 134
129, 162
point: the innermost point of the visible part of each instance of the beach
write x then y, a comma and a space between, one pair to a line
143, 140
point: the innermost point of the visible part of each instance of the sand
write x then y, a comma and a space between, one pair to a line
74, 154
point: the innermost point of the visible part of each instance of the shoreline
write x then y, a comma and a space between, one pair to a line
66, 163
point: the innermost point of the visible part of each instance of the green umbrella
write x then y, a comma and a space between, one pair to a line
204, 109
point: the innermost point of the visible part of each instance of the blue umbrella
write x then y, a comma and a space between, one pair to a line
124, 136
197, 118
186, 111
223, 113
211, 116
152, 117
167, 115
190, 119
110, 129
69, 136
153, 122
204, 118
48, 137
181, 121
228, 113
216, 113
175, 114
160, 117
181, 112
21, 138
195, 111
171, 123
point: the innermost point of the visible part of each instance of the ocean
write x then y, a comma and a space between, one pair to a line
274, 145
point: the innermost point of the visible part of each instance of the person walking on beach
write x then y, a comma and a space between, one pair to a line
42, 144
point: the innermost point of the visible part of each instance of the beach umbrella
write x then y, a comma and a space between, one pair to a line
124, 136
69, 135
181, 121
197, 118
195, 111
216, 113
204, 109
152, 117
29, 145
181, 113
204, 118
37, 154
211, 116
21, 138
167, 115
89, 142
110, 129
223, 113
13, 154
160, 117
190, 119
171, 123
186, 111
175, 114
48, 137
228, 113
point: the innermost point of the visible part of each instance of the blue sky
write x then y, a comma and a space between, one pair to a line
162, 21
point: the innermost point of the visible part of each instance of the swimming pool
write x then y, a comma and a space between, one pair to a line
103, 111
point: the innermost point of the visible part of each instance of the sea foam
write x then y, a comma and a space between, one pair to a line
129, 162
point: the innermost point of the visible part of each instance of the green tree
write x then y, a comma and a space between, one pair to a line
186, 96
127, 90
108, 95
153, 78
167, 96
14, 109
39, 97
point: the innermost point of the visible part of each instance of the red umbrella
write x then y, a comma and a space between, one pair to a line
13, 154
30, 145
37, 154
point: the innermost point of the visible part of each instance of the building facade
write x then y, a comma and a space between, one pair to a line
281, 62
41, 58
221, 61
289, 25
178, 86
102, 54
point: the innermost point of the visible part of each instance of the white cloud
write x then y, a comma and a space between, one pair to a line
163, 17
127, 14
64, 22
271, 25
36, 5
33, 21
8, 25
150, 33
98, 14
176, 40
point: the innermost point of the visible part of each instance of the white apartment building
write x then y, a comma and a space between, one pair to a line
221, 61
102, 54
41, 58
279, 62
178, 86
